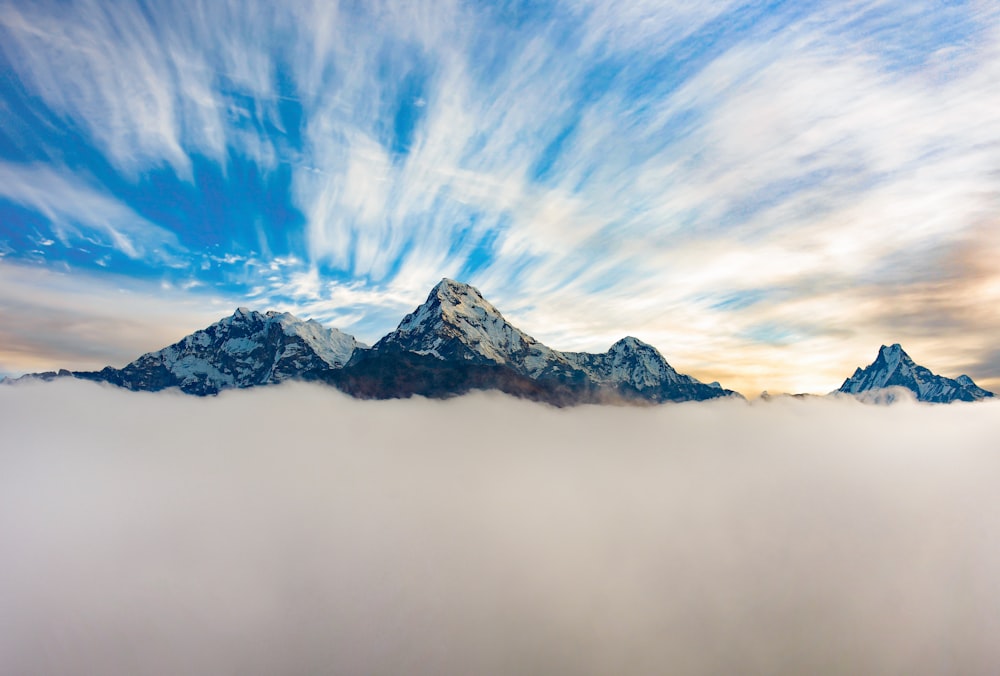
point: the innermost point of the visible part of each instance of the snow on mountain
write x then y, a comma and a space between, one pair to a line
248, 348
973, 389
457, 323
454, 342
894, 368
633, 362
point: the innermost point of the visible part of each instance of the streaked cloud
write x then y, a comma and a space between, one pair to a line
79, 213
753, 188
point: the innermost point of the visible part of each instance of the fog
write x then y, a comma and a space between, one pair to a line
291, 530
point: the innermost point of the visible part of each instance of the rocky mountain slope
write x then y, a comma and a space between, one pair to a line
894, 368
246, 349
457, 340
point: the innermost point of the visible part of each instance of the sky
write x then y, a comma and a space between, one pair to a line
294, 530
766, 191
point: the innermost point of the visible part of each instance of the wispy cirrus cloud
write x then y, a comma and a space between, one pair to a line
78, 211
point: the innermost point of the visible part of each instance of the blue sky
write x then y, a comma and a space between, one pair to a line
765, 191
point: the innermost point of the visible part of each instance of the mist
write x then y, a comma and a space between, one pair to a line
293, 530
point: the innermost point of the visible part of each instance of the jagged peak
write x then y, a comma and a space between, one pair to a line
452, 301
631, 343
457, 313
460, 296
893, 351
448, 284
318, 336
245, 314
894, 367
893, 355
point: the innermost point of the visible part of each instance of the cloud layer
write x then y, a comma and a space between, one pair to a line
765, 192
291, 529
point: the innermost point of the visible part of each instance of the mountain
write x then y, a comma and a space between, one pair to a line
246, 349
638, 370
457, 323
894, 368
454, 342
457, 340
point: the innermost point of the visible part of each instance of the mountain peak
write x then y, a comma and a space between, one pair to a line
630, 344
244, 349
456, 321
893, 367
893, 356
447, 285
458, 299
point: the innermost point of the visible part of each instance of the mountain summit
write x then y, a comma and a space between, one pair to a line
457, 340
456, 322
246, 349
894, 368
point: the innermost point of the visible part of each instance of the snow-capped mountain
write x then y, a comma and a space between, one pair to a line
631, 362
894, 368
454, 342
457, 325
246, 349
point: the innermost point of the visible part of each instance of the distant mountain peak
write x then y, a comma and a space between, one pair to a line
244, 349
632, 362
457, 322
457, 300
630, 343
448, 285
893, 367
893, 355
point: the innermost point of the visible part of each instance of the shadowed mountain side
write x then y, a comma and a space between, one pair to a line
391, 374
461, 333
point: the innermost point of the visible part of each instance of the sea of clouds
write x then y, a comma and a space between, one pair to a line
292, 530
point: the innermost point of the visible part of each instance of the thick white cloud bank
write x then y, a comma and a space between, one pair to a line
292, 530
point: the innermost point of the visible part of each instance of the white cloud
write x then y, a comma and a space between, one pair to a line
78, 211
649, 26
290, 529
104, 69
